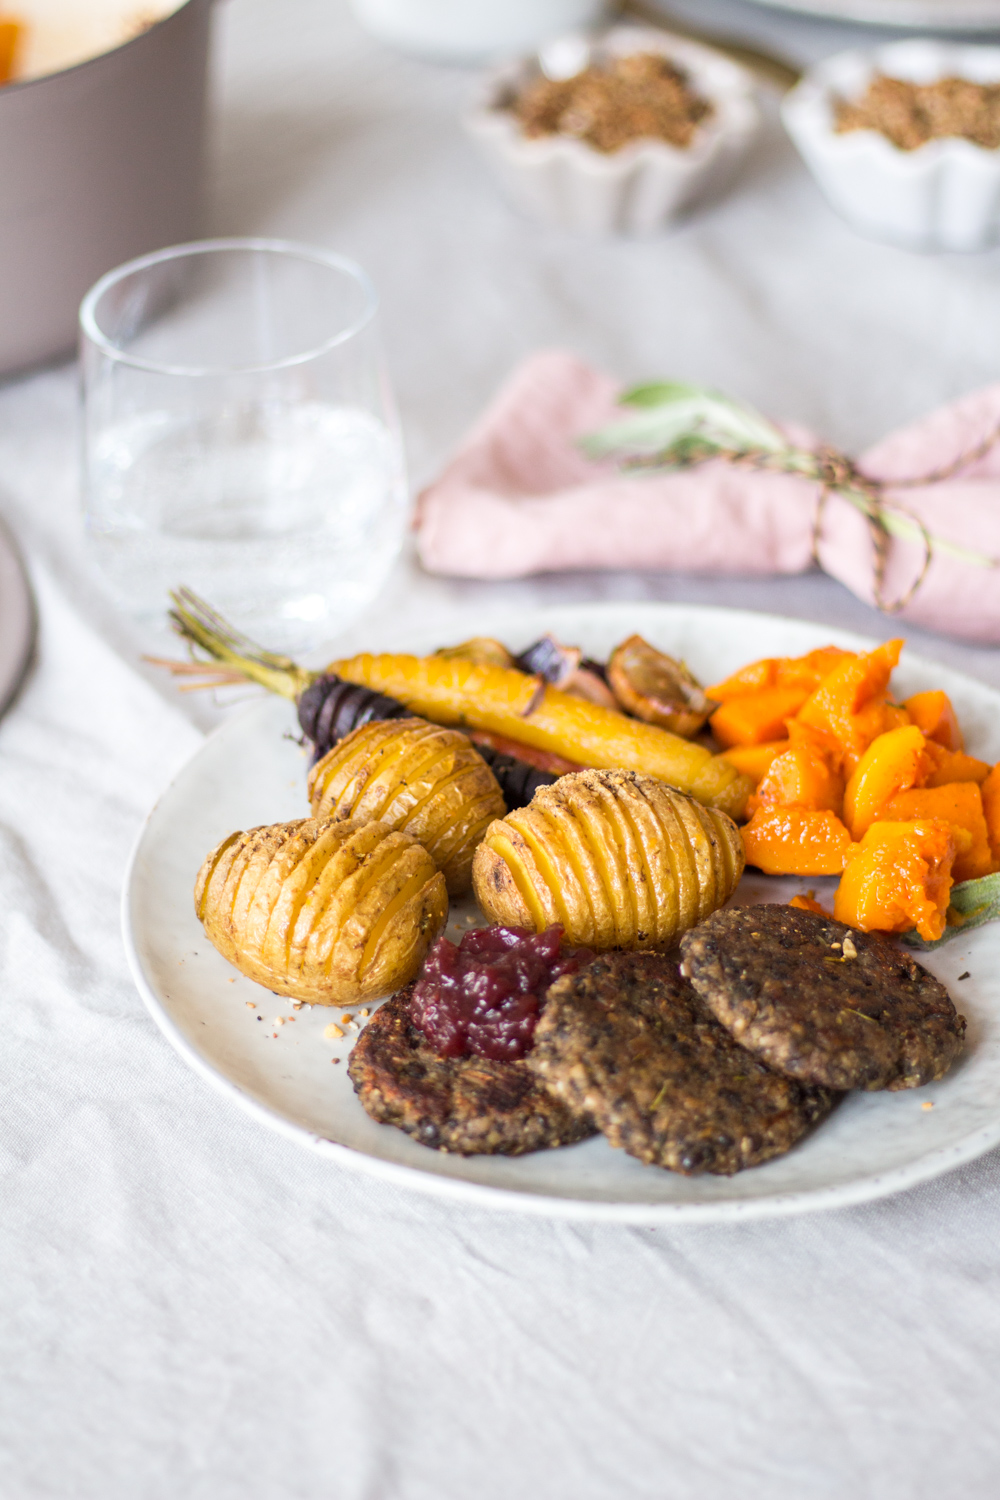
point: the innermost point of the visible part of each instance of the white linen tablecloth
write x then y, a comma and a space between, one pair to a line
192, 1307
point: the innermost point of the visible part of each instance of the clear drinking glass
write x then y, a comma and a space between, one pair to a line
240, 437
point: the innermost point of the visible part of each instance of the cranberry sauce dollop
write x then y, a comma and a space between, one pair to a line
484, 994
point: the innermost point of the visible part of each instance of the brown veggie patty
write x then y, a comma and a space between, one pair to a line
820, 1002
627, 1042
470, 1105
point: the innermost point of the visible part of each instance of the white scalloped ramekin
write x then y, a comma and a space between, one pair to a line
566, 184
945, 195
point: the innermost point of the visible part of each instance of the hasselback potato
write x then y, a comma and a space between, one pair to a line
406, 773
619, 860
326, 912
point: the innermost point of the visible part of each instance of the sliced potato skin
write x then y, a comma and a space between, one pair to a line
415, 776
332, 913
619, 859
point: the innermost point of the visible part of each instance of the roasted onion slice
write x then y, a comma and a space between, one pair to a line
657, 688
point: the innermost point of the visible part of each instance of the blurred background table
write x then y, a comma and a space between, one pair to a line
195, 1307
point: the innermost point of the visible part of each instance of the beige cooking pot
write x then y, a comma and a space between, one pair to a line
99, 163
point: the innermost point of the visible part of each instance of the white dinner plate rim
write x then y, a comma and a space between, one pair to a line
859, 1190
937, 15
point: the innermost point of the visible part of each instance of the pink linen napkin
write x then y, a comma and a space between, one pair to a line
519, 497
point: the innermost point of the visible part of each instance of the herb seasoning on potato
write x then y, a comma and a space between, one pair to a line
616, 859
325, 912
406, 773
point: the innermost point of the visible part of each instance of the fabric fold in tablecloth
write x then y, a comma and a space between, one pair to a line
519, 498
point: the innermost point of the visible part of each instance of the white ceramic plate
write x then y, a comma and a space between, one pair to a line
251, 771
933, 15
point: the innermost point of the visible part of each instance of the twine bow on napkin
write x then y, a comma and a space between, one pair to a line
564, 472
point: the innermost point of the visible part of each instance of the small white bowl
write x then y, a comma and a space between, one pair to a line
566, 184
945, 195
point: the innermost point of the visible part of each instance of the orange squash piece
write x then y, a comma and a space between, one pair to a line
754, 760
893, 763
780, 671
753, 678
894, 717
960, 805
755, 718
850, 702
821, 740
808, 902
801, 776
933, 713
945, 766
899, 877
809, 671
990, 792
796, 841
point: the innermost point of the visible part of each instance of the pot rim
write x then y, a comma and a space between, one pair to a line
19, 85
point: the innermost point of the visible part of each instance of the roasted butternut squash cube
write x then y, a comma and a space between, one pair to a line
893, 763
898, 878
796, 841
850, 702
990, 792
933, 713
780, 671
945, 766
801, 777
894, 717
960, 805
808, 902
754, 760
756, 718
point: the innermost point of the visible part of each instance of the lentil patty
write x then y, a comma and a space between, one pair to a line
785, 983
469, 1105
627, 1042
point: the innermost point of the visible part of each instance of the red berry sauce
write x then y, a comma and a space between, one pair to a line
483, 996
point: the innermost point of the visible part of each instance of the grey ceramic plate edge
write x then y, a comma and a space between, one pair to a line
17, 620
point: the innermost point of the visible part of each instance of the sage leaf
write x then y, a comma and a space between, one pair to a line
973, 903
668, 413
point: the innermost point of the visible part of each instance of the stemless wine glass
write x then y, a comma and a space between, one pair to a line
240, 437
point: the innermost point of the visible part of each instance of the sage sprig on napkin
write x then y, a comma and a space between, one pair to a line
677, 426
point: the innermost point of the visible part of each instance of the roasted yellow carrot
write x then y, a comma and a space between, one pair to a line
507, 702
